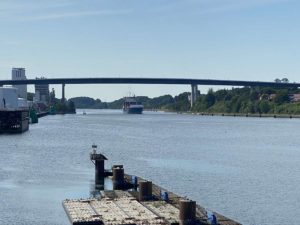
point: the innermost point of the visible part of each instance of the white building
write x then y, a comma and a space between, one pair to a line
8, 98
19, 74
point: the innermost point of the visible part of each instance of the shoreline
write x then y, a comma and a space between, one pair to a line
255, 115
279, 116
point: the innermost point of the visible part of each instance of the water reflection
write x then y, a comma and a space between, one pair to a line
95, 189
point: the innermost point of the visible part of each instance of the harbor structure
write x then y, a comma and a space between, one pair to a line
98, 160
120, 207
131, 204
19, 74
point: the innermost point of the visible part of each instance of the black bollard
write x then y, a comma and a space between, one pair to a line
145, 190
187, 212
118, 178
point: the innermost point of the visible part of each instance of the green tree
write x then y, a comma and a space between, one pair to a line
210, 98
71, 107
221, 94
254, 95
282, 96
264, 106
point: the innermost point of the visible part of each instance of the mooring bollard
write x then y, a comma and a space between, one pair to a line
187, 212
145, 190
118, 177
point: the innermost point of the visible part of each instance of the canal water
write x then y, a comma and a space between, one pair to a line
245, 168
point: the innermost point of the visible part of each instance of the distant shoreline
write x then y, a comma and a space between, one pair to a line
279, 116
287, 116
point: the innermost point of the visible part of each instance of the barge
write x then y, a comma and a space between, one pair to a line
136, 201
14, 112
14, 121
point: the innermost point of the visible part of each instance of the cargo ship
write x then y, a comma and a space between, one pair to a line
131, 106
14, 111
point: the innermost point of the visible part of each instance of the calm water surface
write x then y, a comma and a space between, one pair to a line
245, 168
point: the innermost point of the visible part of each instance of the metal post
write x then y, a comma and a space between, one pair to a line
118, 178
63, 93
187, 212
145, 190
99, 171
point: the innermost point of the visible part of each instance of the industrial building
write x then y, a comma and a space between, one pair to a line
19, 74
41, 91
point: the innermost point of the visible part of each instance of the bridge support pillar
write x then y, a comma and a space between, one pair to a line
194, 94
63, 93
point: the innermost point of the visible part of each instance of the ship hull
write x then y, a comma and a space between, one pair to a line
14, 121
133, 110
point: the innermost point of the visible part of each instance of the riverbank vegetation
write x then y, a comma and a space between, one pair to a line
249, 100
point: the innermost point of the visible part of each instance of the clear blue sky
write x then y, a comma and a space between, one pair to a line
216, 39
